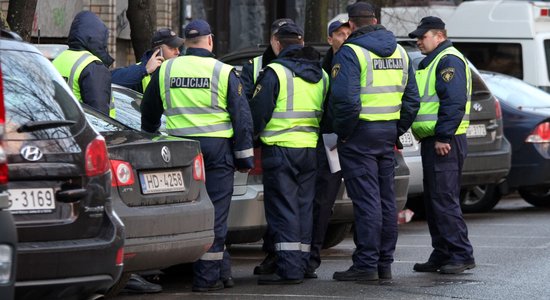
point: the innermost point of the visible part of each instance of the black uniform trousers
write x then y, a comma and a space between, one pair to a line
219, 171
289, 187
327, 185
441, 198
368, 166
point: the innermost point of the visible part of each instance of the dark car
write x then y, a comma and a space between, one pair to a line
489, 153
8, 234
526, 114
70, 240
159, 193
342, 216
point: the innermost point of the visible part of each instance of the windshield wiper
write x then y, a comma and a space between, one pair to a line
39, 125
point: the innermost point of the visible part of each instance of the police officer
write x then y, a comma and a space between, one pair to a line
165, 44
286, 108
249, 75
202, 99
445, 85
85, 64
374, 99
327, 184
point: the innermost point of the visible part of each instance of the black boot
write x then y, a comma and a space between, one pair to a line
138, 284
268, 266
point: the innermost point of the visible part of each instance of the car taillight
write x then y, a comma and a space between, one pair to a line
541, 134
3, 166
498, 110
123, 174
257, 170
198, 168
97, 159
3, 158
119, 261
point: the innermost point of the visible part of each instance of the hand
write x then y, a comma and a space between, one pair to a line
154, 62
442, 149
244, 170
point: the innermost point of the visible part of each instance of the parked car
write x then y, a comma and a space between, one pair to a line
489, 153
70, 240
159, 193
8, 234
246, 220
526, 114
342, 216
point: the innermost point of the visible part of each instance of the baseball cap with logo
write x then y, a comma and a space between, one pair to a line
335, 25
278, 23
426, 24
290, 30
166, 36
197, 28
361, 10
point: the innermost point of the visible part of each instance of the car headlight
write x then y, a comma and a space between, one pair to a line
6, 261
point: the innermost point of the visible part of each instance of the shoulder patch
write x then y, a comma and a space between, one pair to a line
335, 70
240, 89
447, 74
257, 90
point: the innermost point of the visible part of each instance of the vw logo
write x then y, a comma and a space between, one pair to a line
477, 107
165, 153
31, 153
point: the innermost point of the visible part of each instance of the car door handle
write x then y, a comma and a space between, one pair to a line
69, 196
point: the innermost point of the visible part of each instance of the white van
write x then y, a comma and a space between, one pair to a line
510, 37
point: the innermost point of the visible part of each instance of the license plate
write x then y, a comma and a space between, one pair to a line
31, 201
406, 139
161, 182
475, 131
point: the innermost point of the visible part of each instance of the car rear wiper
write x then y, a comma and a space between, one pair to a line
39, 125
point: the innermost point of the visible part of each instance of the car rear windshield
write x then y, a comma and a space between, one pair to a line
516, 92
38, 102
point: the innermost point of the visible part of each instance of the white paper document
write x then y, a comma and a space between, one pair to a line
330, 140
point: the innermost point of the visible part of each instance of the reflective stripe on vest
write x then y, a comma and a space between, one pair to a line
257, 65
383, 81
70, 64
295, 119
424, 124
194, 95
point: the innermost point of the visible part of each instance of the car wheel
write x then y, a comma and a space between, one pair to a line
335, 234
118, 286
480, 198
538, 197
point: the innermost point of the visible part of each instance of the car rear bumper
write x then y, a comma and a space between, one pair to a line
530, 174
246, 221
163, 251
164, 235
487, 167
58, 269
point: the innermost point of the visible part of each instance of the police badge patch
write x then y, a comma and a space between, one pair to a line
447, 74
335, 70
257, 90
240, 89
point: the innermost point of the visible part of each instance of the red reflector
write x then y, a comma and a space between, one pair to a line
257, 170
198, 168
498, 110
97, 159
128, 256
3, 173
120, 257
544, 12
541, 134
123, 174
